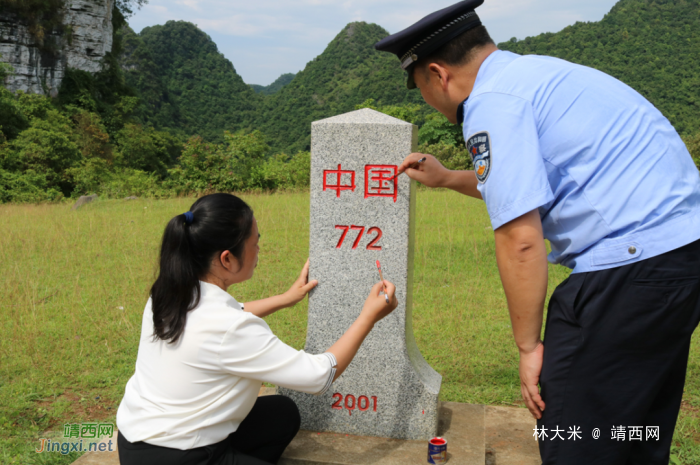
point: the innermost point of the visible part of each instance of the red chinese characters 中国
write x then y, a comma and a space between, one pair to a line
381, 181
337, 180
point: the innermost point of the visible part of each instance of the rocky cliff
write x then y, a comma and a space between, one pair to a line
86, 38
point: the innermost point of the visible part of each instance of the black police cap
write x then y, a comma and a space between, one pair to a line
429, 34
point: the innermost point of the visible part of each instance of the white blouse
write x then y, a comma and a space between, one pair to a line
196, 392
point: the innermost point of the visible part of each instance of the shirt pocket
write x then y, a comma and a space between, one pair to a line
668, 304
667, 283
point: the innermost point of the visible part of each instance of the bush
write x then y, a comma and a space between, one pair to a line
693, 144
128, 182
409, 113
283, 172
33, 105
90, 176
452, 157
91, 136
12, 119
438, 130
204, 167
145, 149
44, 148
26, 187
435, 128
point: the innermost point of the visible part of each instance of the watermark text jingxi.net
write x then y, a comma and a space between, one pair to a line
84, 437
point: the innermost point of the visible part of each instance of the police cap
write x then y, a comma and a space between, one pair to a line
429, 34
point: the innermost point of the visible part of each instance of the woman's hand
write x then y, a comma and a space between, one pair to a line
301, 287
294, 295
376, 306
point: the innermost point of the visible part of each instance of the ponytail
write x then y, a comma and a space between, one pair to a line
214, 223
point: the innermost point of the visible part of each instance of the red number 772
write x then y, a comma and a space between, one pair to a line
373, 243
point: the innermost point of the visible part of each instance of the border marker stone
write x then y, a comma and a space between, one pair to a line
360, 215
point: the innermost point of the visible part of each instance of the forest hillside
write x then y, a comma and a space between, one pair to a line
168, 114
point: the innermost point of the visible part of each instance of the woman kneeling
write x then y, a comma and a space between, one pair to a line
203, 356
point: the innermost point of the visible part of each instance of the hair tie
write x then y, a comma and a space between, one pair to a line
189, 218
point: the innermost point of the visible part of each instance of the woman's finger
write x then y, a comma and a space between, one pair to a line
307, 287
305, 271
377, 289
390, 288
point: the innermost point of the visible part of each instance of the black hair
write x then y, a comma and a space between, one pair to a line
220, 222
460, 50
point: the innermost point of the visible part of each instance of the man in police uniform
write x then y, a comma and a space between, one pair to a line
570, 154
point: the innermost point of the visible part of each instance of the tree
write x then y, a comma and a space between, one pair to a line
693, 144
143, 148
438, 130
207, 167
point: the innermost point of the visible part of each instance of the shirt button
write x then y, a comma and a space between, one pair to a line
632, 250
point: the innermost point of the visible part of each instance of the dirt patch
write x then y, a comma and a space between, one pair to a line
694, 412
71, 407
689, 409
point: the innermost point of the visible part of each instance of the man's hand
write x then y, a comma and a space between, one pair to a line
521, 255
430, 173
530, 370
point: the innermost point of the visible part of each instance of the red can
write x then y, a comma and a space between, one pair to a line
437, 450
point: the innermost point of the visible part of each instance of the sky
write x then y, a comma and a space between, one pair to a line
267, 38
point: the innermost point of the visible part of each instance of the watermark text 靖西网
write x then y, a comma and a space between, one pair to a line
76, 433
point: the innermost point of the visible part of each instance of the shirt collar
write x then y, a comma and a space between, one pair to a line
212, 292
460, 111
484, 71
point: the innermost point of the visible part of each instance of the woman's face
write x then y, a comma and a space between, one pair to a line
250, 253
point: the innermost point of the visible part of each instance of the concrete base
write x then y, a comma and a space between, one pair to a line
101, 458
461, 424
475, 434
509, 437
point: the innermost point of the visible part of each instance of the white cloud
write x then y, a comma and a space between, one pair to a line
194, 4
266, 38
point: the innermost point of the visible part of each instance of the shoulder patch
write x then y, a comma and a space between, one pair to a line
479, 147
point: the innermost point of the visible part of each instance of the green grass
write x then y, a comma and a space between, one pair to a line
74, 284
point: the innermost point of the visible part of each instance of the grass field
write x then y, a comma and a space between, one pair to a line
74, 283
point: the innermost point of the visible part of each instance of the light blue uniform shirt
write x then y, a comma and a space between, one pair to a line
613, 181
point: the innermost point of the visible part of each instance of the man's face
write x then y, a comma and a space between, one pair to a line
431, 88
423, 84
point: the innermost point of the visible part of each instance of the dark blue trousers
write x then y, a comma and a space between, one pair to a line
615, 354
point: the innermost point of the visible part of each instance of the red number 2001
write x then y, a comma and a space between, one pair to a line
362, 403
373, 243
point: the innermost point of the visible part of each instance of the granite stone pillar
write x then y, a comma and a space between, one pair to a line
360, 215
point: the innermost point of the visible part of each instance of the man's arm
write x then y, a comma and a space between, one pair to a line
432, 174
522, 263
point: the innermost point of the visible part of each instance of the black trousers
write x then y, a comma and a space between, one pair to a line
615, 353
260, 440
